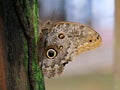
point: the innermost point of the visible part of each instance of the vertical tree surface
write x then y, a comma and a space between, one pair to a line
2, 59
19, 22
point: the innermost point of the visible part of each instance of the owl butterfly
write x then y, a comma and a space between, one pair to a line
60, 42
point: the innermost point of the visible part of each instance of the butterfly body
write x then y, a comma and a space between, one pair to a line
62, 41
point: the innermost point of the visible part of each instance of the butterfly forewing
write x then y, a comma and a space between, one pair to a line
83, 37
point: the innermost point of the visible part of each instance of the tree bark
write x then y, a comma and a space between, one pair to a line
20, 70
2, 59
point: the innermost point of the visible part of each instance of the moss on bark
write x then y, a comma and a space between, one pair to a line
20, 23
29, 20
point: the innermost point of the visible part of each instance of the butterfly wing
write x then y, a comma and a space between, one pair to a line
83, 37
63, 42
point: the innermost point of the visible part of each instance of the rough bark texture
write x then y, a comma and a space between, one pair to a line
20, 65
2, 59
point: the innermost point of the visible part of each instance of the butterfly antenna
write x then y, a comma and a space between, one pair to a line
53, 14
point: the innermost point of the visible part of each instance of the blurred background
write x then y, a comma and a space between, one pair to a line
92, 70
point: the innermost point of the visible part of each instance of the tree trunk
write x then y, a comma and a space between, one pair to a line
19, 68
2, 59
